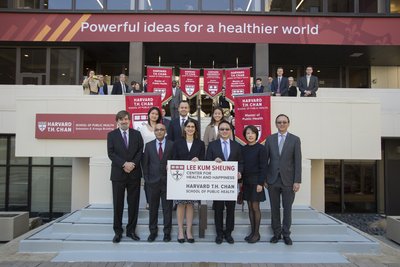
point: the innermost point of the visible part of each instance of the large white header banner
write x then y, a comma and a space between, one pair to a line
202, 180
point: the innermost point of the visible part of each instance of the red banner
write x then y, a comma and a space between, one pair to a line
237, 82
254, 110
213, 81
159, 80
64, 27
189, 79
138, 106
74, 126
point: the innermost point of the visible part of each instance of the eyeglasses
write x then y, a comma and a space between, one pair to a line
281, 122
224, 129
159, 130
190, 126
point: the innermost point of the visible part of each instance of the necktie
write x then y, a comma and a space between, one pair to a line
225, 150
125, 140
123, 88
183, 123
160, 152
279, 84
280, 145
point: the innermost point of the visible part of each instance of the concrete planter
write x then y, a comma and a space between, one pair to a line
13, 224
393, 228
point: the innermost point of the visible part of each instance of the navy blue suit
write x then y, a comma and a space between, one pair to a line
117, 89
283, 86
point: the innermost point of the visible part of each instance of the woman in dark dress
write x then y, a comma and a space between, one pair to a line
188, 148
255, 171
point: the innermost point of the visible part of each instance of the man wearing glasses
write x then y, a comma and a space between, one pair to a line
283, 176
154, 163
224, 149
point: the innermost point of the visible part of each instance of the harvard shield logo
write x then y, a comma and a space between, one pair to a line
162, 91
189, 89
177, 171
213, 89
42, 125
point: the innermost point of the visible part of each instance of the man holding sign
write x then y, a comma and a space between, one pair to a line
224, 149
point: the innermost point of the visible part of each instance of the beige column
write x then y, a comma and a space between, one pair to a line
80, 183
318, 185
261, 62
136, 61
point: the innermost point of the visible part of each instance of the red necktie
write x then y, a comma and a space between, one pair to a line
160, 152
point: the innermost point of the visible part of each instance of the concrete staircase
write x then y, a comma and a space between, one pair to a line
85, 235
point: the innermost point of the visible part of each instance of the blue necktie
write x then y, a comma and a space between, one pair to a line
226, 150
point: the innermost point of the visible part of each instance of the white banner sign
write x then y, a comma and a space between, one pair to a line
202, 180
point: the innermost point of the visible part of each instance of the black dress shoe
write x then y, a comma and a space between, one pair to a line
190, 240
219, 239
167, 237
229, 239
152, 237
133, 236
254, 239
117, 238
247, 238
181, 240
288, 241
275, 239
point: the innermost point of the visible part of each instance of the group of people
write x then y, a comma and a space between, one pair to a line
283, 86
95, 85
275, 166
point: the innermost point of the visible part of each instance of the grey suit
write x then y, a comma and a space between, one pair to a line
174, 103
282, 172
312, 86
155, 175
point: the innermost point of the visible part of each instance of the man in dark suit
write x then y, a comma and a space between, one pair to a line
125, 147
258, 87
280, 84
156, 155
308, 84
176, 125
103, 90
224, 149
175, 100
120, 87
283, 176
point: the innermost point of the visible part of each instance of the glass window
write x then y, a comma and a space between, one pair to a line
33, 60
58, 4
2, 188
7, 65
368, 6
90, 4
327, 76
278, 5
27, 4
13, 158
360, 186
184, 5
3, 4
212, 5
247, 5
63, 66
3, 150
18, 199
341, 6
121, 5
40, 161
332, 186
311, 6
63, 161
62, 189
40, 201
394, 6
153, 4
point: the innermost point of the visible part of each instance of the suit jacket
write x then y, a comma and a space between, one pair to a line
117, 89
175, 100
283, 86
119, 154
181, 152
166, 122
261, 90
105, 88
214, 151
312, 86
288, 164
175, 130
155, 169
